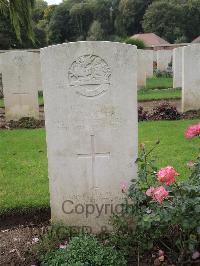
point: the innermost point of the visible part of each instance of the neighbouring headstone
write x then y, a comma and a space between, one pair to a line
145, 66
191, 78
164, 59
20, 84
141, 71
149, 62
90, 95
177, 67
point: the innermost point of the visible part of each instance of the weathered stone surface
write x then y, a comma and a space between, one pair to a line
90, 94
191, 78
37, 66
164, 58
20, 84
154, 56
177, 67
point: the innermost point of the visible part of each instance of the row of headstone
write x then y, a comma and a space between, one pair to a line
90, 96
22, 79
146, 59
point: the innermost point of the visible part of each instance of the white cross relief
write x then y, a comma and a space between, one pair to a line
94, 155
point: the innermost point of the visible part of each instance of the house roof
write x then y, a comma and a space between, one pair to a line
197, 40
150, 39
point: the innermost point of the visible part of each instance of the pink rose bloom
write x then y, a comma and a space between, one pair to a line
150, 191
192, 131
167, 175
159, 194
124, 186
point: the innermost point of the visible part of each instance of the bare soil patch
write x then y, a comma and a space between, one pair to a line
17, 244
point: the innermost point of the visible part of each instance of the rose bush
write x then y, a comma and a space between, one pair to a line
162, 213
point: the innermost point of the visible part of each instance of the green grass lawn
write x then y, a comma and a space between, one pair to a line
150, 95
159, 83
158, 89
23, 160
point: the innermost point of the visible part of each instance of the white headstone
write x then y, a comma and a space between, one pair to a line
177, 67
149, 62
90, 95
141, 71
191, 78
145, 66
164, 58
20, 84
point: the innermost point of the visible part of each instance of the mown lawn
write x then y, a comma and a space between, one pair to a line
23, 161
158, 89
159, 83
150, 95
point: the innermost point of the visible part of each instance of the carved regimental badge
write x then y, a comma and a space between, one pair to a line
90, 75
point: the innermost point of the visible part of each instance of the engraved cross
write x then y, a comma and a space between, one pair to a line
94, 155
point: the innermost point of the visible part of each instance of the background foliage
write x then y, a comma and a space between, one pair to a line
113, 20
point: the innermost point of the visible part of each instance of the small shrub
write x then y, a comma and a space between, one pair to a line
51, 241
165, 111
140, 44
84, 250
25, 122
40, 93
142, 115
164, 74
